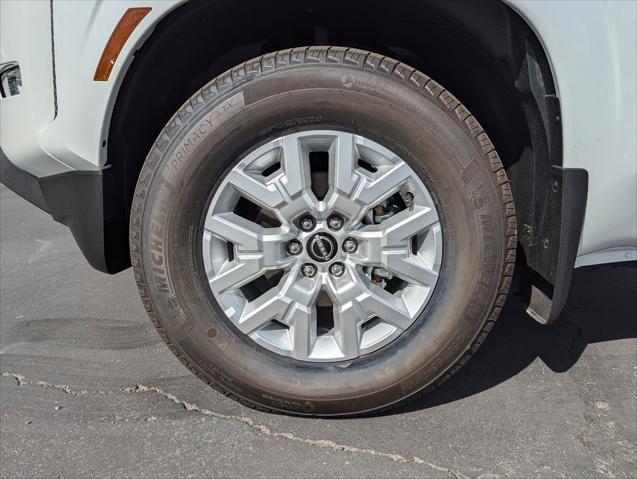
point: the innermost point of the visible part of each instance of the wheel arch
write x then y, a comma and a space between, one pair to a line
486, 54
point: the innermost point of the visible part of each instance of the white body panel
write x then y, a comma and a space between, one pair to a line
74, 138
591, 48
590, 45
25, 37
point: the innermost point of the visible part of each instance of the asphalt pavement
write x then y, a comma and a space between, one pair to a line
87, 388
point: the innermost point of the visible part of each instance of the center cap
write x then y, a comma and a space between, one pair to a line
321, 247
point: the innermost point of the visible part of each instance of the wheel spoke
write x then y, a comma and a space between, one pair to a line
347, 329
342, 164
404, 225
303, 320
390, 308
272, 304
290, 302
296, 167
234, 275
257, 249
389, 182
354, 195
355, 301
388, 245
260, 193
409, 268
296, 182
343, 178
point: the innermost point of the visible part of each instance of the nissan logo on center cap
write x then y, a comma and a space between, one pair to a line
322, 247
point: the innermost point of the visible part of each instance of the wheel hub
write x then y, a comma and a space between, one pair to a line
322, 278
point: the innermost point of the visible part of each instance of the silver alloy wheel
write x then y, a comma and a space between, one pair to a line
387, 280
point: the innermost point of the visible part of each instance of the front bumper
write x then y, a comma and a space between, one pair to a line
73, 198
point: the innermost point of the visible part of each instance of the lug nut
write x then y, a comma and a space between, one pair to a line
294, 247
307, 223
350, 245
337, 269
309, 270
335, 222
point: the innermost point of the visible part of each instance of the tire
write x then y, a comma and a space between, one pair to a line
336, 89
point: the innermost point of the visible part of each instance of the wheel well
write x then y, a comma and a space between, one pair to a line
482, 52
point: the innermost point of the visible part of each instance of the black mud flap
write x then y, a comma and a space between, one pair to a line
550, 257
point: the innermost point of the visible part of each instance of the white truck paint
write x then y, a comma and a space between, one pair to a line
592, 56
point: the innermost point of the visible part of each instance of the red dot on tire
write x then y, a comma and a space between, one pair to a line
212, 333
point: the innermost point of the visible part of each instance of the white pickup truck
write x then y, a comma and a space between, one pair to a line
324, 203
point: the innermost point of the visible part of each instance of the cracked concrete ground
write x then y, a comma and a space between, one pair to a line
88, 389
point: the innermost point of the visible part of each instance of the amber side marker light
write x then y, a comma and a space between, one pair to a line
123, 30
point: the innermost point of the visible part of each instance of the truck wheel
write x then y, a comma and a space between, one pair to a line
323, 231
